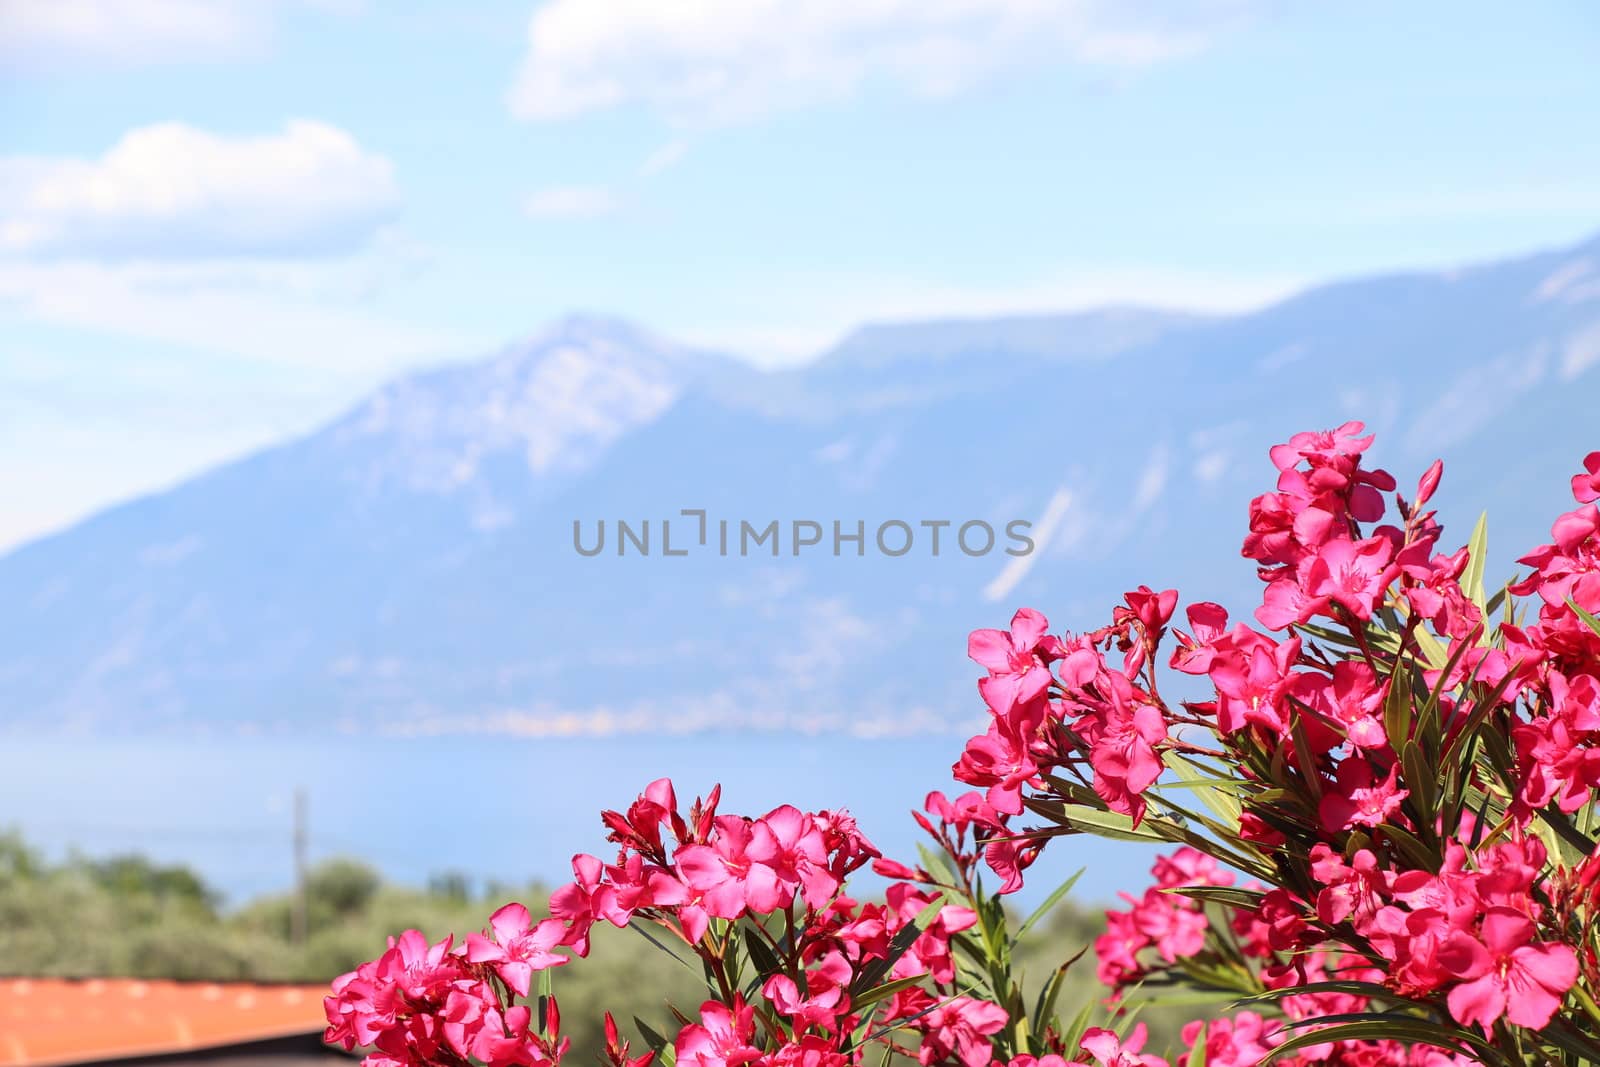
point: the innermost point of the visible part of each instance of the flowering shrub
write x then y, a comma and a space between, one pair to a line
1382, 798
799, 974
1401, 766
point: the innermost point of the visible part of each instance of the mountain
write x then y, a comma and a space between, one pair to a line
412, 567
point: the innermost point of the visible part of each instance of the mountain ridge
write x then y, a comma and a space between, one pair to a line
409, 568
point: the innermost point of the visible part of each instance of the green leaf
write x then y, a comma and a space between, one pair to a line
1045, 1007
1215, 793
1436, 652
1108, 824
1433, 730
1569, 1039
1422, 780
1072, 1036
1233, 898
1049, 902
937, 864
1375, 1026
1197, 1048
1308, 762
1192, 998
761, 954
1397, 707
1477, 557
1575, 846
1416, 853
1481, 709
1594, 623
546, 992
651, 1038
648, 936
1371, 990
887, 989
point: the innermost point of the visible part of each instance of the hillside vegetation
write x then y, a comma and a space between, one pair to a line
126, 916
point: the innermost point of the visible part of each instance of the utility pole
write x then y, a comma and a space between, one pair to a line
297, 912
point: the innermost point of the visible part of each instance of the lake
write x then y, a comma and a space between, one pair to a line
506, 809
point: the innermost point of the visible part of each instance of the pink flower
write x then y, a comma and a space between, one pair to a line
1151, 611
725, 876
1025, 1060
1123, 753
1353, 699
995, 760
519, 948
1437, 596
1287, 603
641, 827
1556, 753
375, 1004
930, 952
1572, 558
1350, 891
722, 1037
1354, 574
1252, 685
824, 1000
787, 841
1324, 445
617, 1049
810, 1051
960, 1026
508, 1039
1242, 1041
1017, 671
1175, 925
1188, 866
1104, 1046
585, 901
1118, 950
1008, 857
1195, 652
1428, 483
1356, 800
1586, 486
1510, 975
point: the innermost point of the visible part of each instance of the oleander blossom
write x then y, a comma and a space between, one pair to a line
1402, 756
701, 876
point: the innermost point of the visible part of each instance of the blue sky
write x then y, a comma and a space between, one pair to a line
221, 222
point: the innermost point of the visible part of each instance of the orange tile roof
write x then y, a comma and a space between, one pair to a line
48, 1021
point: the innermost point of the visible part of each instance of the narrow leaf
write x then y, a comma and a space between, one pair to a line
1049, 902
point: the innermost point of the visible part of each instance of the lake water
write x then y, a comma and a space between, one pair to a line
495, 808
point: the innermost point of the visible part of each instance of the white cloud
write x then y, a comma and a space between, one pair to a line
1211, 466
171, 191
667, 156
1152, 480
149, 372
1042, 531
1580, 351
597, 201
570, 202
799, 315
44, 35
40, 32
299, 314
723, 59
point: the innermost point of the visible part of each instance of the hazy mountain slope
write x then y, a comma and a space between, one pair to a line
411, 567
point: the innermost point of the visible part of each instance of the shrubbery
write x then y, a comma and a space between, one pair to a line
66, 919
